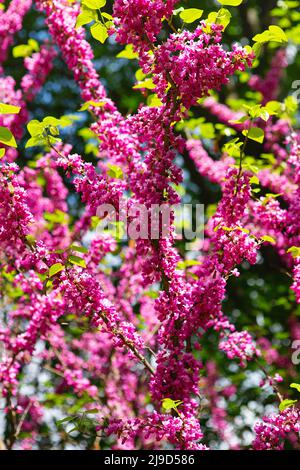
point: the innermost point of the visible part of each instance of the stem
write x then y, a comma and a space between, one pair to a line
11, 423
242, 155
275, 388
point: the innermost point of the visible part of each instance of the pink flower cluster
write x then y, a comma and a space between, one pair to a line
196, 63
275, 428
38, 65
10, 23
136, 23
239, 345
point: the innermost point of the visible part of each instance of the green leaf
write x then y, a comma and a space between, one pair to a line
169, 404
94, 4
242, 229
88, 104
254, 180
33, 44
55, 268
255, 133
57, 217
295, 251
94, 222
51, 121
30, 239
152, 294
264, 114
296, 386
107, 16
128, 53
115, 171
233, 148
273, 107
257, 47
25, 50
65, 420
154, 102
177, 11
99, 32
240, 120
274, 33
291, 105
34, 142
77, 260
80, 249
230, 3
22, 50
148, 84
188, 263
190, 15
2, 153
139, 75
277, 32
6, 137
286, 404
9, 109
85, 17
222, 17
35, 128
267, 238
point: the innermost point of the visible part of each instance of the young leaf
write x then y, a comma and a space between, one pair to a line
51, 121
255, 133
65, 420
264, 114
154, 102
286, 404
267, 238
169, 404
9, 109
115, 171
296, 386
80, 249
85, 17
77, 260
35, 128
88, 104
254, 180
274, 33
30, 239
230, 3
222, 17
295, 251
94, 4
2, 153
25, 50
22, 50
190, 15
34, 141
55, 268
291, 104
99, 32
33, 44
6, 137
148, 84
273, 107
128, 53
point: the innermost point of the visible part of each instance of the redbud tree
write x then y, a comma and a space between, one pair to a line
118, 328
